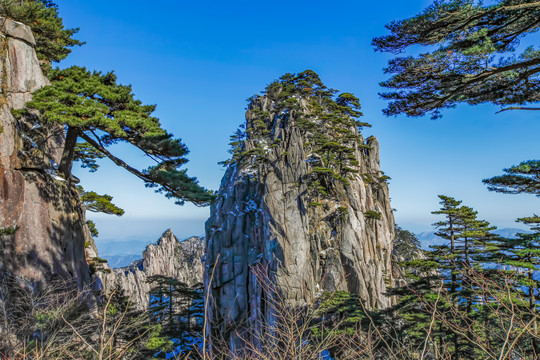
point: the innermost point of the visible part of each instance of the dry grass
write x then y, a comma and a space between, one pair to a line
63, 323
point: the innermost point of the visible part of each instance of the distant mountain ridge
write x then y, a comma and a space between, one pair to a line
122, 253
119, 261
428, 238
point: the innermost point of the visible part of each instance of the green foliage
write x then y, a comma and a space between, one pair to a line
8, 230
372, 214
340, 308
156, 342
521, 179
473, 57
406, 244
93, 231
384, 177
96, 109
53, 41
99, 203
99, 260
236, 145
178, 311
87, 155
338, 314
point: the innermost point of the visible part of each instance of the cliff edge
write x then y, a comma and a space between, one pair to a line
42, 225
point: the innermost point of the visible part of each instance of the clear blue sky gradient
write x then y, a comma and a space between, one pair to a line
199, 61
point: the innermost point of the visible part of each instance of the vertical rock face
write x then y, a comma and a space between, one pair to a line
304, 198
181, 260
42, 225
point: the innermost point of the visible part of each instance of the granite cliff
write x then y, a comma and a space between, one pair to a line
44, 238
181, 260
304, 199
42, 224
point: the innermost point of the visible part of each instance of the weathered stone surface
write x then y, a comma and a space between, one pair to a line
265, 218
16, 30
182, 260
49, 242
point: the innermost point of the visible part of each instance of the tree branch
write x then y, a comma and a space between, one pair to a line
114, 159
516, 108
519, 7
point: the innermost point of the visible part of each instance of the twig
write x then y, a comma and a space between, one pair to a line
432, 321
206, 306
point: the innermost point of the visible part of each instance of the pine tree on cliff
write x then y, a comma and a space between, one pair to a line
95, 109
53, 41
331, 126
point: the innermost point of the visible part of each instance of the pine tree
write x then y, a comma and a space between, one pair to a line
475, 60
94, 108
53, 41
442, 279
406, 244
95, 202
520, 257
178, 309
473, 57
521, 179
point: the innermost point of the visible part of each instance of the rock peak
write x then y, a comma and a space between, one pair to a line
167, 257
304, 198
167, 235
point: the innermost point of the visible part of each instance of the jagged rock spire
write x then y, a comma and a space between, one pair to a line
304, 199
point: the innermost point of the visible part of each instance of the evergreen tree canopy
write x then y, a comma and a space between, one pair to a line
99, 203
473, 57
406, 244
441, 280
523, 178
53, 41
94, 108
178, 309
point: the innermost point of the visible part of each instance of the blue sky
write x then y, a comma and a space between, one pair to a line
199, 61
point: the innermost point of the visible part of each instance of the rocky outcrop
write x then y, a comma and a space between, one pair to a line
42, 224
304, 202
181, 260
